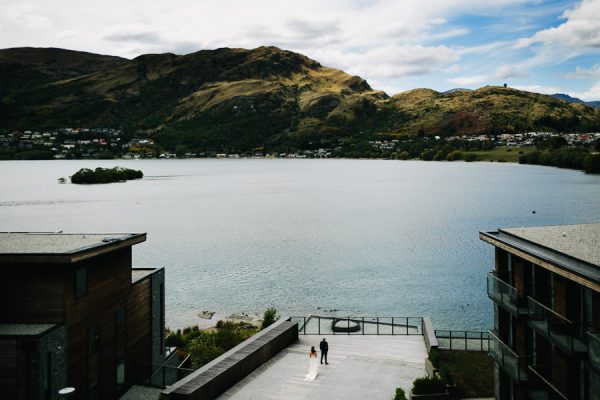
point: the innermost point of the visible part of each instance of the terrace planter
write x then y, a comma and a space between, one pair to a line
433, 396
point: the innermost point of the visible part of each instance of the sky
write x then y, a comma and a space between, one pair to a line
396, 45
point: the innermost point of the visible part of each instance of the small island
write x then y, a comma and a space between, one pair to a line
105, 175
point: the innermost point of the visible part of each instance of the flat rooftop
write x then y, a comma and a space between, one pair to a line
578, 241
61, 247
573, 248
24, 329
360, 367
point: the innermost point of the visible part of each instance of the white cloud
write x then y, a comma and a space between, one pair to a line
539, 89
583, 73
501, 73
468, 80
509, 71
389, 61
593, 94
582, 28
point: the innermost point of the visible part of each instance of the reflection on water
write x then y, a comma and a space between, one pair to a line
362, 237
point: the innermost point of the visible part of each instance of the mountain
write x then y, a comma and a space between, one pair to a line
237, 99
569, 99
489, 109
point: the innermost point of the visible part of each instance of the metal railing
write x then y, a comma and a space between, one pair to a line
508, 360
560, 330
462, 340
594, 349
331, 325
159, 376
505, 295
542, 385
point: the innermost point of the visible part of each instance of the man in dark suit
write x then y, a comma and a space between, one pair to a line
324, 346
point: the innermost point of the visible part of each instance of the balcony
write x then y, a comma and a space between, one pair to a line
505, 295
542, 384
556, 328
507, 359
594, 349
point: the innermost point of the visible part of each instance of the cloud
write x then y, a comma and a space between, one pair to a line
509, 71
539, 89
580, 31
468, 80
132, 33
501, 73
583, 73
390, 61
593, 94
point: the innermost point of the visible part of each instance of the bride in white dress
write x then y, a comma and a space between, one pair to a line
313, 366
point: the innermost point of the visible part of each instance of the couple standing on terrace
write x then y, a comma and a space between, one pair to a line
313, 367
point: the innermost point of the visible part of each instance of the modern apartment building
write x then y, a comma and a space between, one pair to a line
74, 313
546, 292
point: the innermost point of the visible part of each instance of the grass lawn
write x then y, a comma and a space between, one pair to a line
508, 154
471, 371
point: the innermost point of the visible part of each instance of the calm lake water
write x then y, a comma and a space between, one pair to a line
389, 238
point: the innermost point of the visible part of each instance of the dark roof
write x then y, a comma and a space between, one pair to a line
16, 330
575, 248
49, 247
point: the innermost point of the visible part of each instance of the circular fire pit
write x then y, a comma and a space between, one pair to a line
345, 326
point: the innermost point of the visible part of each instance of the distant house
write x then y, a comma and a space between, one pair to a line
76, 314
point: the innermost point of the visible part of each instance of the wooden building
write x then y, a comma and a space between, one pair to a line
74, 313
546, 292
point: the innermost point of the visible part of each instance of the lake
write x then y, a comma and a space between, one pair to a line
363, 237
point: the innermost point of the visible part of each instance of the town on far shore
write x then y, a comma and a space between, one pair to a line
106, 143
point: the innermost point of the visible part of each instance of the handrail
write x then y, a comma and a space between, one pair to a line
504, 345
547, 309
462, 337
594, 348
534, 369
567, 334
375, 325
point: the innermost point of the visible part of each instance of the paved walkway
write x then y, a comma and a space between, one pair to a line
360, 367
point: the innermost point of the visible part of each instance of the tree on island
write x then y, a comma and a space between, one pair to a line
105, 175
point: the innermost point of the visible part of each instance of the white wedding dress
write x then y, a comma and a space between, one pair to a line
313, 369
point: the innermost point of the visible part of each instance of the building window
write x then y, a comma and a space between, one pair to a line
81, 282
120, 320
120, 374
93, 340
162, 318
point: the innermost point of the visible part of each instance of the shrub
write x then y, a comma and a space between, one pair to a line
427, 155
454, 155
427, 385
269, 317
203, 349
591, 163
405, 155
434, 357
203, 346
400, 395
470, 157
446, 376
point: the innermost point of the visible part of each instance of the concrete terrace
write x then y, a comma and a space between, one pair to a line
360, 367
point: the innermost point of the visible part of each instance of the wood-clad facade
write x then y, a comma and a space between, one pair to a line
546, 342
109, 319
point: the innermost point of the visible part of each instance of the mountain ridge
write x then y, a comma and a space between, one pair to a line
238, 99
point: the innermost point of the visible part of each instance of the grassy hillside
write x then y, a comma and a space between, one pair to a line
238, 99
490, 110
